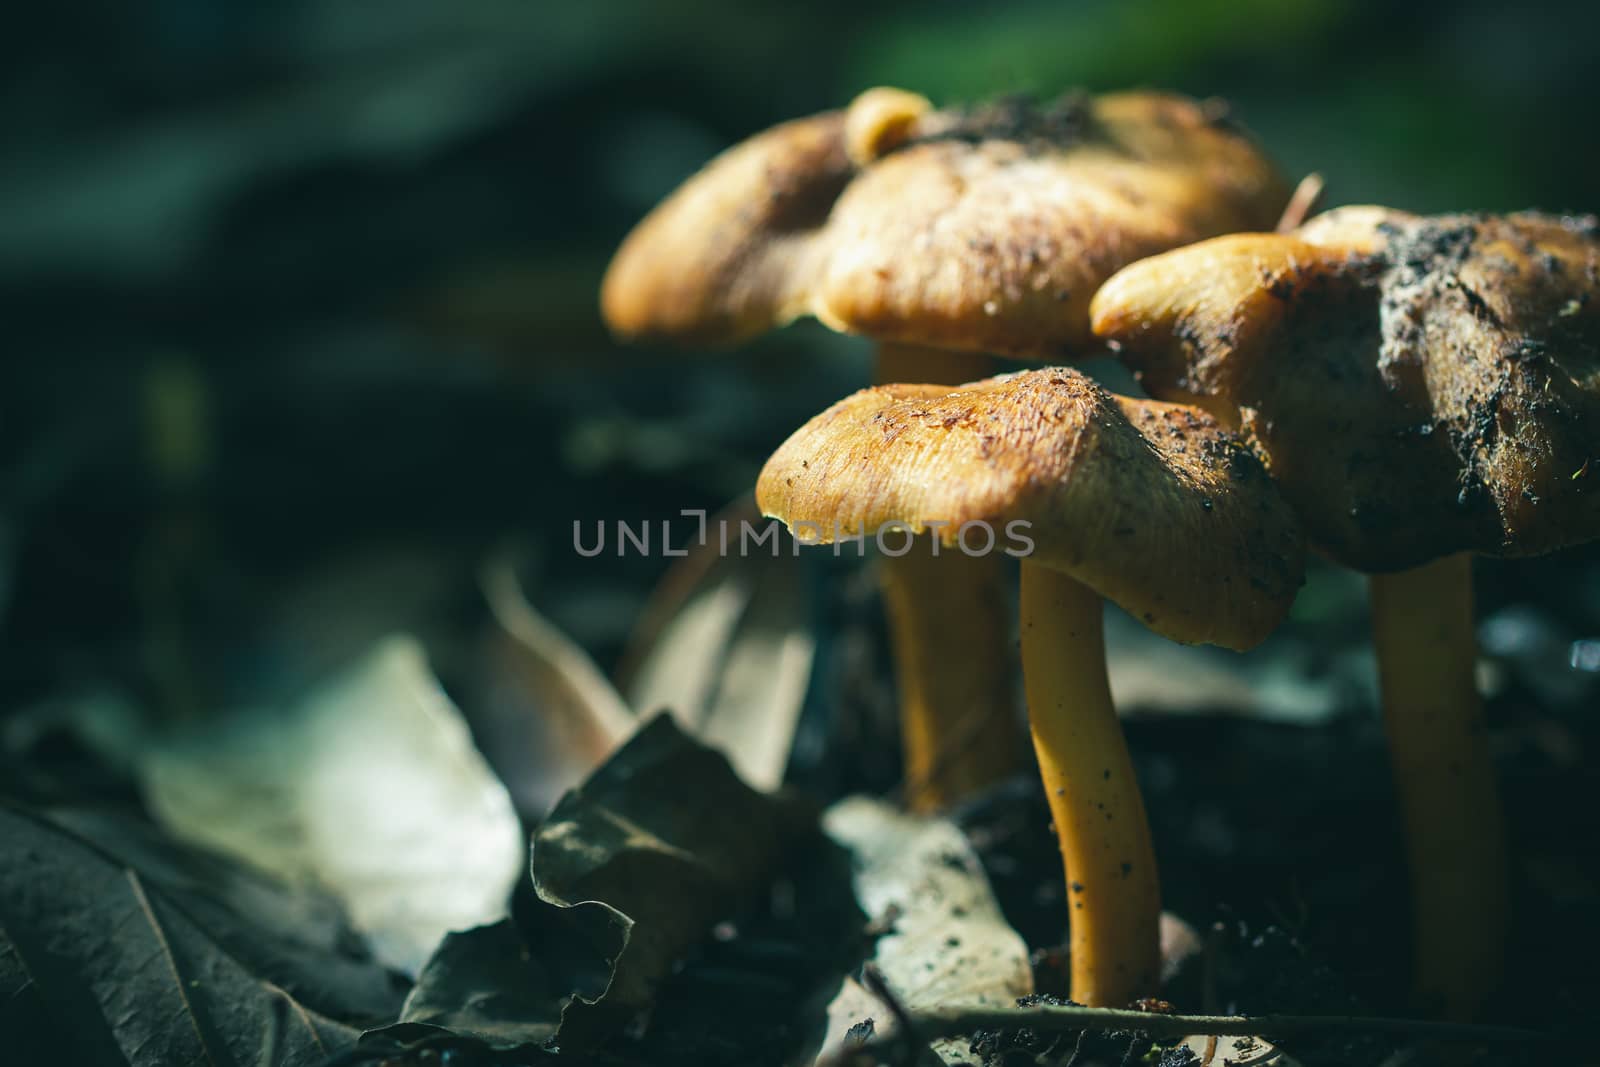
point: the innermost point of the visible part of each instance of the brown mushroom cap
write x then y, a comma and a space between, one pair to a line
1153, 505
1418, 386
722, 258
985, 229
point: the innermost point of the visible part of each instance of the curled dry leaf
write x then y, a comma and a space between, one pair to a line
547, 715
485, 984
370, 787
727, 649
666, 839
630, 872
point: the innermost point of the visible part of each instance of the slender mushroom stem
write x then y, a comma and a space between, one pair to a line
929, 366
950, 636
1301, 203
1438, 744
1114, 895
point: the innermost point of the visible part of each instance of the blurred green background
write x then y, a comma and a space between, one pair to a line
300, 296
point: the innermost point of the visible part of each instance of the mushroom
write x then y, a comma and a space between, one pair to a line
983, 230
1150, 505
1421, 388
946, 236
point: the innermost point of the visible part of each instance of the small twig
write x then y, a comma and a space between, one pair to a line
906, 1029
1077, 1049
955, 1021
1301, 202
1137, 1047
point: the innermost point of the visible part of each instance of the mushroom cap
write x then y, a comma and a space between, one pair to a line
724, 257
1418, 386
1152, 505
985, 229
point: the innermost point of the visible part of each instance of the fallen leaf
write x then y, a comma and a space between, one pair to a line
667, 839
944, 938
1210, 1051
294, 936
370, 787
103, 964
683, 582
546, 713
629, 873
727, 649
485, 984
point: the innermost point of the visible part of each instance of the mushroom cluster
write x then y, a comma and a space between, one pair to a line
1396, 392
1152, 506
946, 236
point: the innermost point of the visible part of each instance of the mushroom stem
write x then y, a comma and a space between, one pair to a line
929, 365
1438, 745
950, 636
1112, 890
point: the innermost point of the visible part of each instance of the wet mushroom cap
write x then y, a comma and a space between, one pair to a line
1152, 505
1418, 386
985, 229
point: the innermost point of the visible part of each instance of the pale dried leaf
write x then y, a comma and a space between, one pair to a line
946, 940
1237, 1052
547, 715
733, 663
370, 787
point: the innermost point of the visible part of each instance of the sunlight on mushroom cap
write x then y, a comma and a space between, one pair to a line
1419, 386
1153, 505
983, 229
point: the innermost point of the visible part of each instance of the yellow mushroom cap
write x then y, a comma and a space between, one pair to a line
986, 229
1153, 505
1418, 386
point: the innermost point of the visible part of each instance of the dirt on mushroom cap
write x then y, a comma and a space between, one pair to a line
1153, 505
984, 229
1419, 386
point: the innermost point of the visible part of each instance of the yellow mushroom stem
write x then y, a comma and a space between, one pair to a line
1113, 896
1438, 745
950, 637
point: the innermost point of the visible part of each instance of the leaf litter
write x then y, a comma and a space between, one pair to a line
370, 787
632, 869
943, 936
637, 936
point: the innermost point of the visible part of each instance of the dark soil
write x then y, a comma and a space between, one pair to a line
1279, 846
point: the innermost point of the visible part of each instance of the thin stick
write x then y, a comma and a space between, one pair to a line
1301, 202
907, 1034
955, 1021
